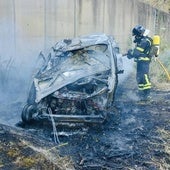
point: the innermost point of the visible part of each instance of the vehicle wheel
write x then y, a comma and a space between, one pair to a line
27, 113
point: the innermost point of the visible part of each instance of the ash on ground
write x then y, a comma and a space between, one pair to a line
136, 137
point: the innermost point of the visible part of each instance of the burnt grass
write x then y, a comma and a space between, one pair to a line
136, 136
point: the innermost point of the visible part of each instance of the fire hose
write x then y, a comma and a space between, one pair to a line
155, 45
164, 68
160, 63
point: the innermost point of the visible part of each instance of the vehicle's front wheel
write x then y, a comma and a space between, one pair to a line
27, 113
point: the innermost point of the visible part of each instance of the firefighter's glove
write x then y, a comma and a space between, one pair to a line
130, 54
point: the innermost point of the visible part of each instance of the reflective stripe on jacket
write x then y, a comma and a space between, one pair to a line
142, 49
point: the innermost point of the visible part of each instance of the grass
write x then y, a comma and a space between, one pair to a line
165, 137
159, 77
163, 5
22, 154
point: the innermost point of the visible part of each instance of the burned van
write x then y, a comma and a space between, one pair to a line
76, 83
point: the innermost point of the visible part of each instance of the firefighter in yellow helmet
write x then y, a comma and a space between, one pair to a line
141, 55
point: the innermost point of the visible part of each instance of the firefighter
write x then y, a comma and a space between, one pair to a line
141, 55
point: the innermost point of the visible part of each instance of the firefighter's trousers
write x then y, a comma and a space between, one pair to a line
142, 76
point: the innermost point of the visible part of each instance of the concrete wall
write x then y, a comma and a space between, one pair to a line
28, 26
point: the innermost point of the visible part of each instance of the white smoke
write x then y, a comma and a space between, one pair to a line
129, 68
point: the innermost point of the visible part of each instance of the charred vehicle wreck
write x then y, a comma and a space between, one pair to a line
76, 83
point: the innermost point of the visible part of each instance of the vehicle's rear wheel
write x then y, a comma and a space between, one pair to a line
27, 113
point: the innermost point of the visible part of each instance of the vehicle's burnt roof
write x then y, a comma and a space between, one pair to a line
83, 41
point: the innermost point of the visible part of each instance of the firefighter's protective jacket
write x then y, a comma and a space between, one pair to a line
142, 50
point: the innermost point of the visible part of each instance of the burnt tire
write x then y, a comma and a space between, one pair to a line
27, 113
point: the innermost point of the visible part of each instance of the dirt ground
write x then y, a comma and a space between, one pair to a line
136, 137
